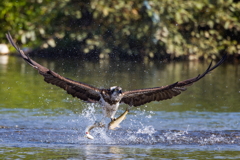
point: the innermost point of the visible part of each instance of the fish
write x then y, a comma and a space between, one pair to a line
89, 128
115, 122
111, 126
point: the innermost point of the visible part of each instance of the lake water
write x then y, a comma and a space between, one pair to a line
41, 121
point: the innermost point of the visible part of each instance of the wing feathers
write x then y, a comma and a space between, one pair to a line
142, 96
91, 94
76, 89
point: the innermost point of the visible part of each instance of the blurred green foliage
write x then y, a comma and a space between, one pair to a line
125, 29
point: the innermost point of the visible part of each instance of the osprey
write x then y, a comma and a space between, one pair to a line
110, 98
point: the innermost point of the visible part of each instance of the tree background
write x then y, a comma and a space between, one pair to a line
124, 29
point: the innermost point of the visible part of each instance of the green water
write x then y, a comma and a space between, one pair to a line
39, 120
118, 152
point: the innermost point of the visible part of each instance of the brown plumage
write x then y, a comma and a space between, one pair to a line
83, 91
141, 96
92, 94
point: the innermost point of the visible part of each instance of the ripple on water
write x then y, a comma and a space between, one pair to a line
128, 136
33, 127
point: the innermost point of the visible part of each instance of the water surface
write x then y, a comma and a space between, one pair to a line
39, 120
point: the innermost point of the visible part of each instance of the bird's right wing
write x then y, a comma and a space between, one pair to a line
80, 90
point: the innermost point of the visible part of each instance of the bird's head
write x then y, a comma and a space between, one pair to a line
112, 95
115, 91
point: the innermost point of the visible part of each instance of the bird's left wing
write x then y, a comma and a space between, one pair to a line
142, 96
81, 90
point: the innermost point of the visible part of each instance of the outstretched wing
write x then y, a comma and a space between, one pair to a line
83, 91
141, 96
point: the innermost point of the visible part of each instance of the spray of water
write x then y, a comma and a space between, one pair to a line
137, 129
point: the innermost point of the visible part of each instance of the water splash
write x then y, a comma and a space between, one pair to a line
146, 130
89, 112
138, 130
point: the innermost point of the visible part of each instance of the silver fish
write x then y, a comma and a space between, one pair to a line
115, 123
89, 128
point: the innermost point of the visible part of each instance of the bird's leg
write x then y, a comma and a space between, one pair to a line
113, 119
101, 123
112, 116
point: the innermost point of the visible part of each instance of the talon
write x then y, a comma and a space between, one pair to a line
113, 119
98, 124
101, 124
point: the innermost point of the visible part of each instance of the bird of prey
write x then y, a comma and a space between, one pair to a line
109, 99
